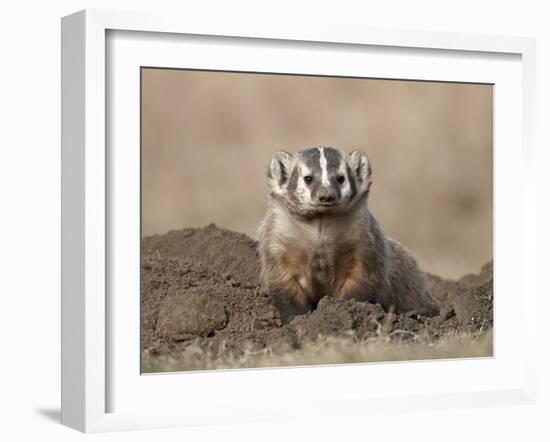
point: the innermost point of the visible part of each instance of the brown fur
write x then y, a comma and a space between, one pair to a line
341, 254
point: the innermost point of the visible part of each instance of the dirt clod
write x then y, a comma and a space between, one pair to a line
184, 317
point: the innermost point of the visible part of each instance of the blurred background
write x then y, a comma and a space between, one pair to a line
207, 138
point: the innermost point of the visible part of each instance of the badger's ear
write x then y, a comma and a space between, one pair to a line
360, 165
279, 169
360, 168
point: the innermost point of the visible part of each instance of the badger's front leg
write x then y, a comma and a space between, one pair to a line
348, 276
289, 292
350, 281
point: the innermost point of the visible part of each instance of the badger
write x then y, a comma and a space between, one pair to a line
319, 238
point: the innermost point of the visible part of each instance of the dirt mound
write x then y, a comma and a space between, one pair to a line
200, 288
221, 250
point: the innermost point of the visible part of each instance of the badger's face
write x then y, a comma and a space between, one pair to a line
319, 180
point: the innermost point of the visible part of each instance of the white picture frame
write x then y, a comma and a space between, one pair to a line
88, 229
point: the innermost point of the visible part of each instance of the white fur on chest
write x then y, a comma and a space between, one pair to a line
315, 242
319, 235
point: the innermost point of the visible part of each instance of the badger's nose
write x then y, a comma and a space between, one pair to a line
326, 196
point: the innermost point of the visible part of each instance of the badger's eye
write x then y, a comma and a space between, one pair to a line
340, 179
308, 179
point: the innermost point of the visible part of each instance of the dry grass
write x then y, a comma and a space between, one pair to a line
330, 350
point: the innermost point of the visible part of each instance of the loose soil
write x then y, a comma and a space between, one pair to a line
200, 288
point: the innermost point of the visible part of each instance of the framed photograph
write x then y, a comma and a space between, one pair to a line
263, 222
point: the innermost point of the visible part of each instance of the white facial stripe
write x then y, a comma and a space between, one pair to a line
346, 188
323, 164
342, 169
302, 191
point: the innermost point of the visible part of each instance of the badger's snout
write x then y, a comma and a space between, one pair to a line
326, 196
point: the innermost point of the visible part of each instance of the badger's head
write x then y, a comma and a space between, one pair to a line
319, 180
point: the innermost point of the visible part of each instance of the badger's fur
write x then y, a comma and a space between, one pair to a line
319, 238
